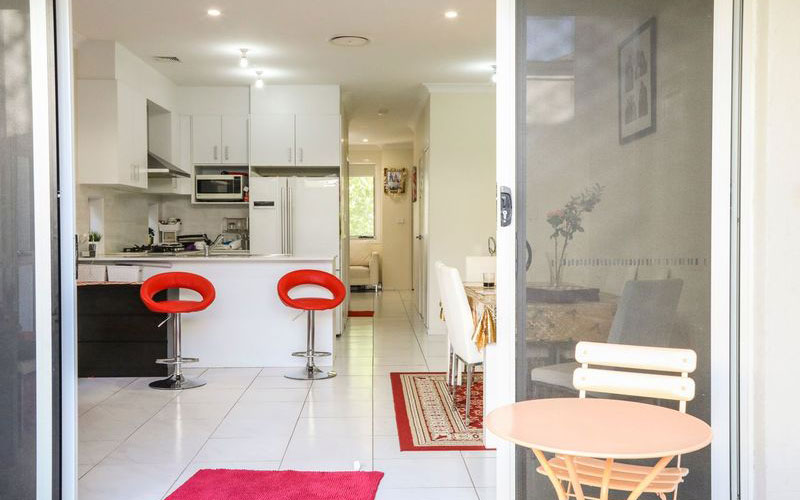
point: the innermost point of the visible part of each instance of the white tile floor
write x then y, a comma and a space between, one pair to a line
139, 443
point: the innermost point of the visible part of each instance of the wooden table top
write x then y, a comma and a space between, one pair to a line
599, 428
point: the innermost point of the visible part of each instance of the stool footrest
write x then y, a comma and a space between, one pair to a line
315, 354
176, 361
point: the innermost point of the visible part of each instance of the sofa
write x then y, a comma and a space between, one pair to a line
364, 266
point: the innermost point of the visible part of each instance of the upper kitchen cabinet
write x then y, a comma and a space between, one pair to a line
317, 140
219, 139
279, 140
272, 140
111, 134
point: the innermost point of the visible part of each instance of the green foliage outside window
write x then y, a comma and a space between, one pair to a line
362, 207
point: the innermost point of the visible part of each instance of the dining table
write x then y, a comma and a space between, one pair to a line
546, 322
575, 429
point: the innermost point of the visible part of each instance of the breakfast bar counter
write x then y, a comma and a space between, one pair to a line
246, 325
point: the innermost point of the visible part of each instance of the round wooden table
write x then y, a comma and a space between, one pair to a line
599, 429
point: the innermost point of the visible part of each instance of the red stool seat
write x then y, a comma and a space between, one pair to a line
311, 305
311, 277
174, 309
167, 281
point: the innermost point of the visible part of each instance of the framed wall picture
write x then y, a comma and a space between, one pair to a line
394, 180
637, 83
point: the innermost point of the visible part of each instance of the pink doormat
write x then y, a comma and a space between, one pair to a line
233, 484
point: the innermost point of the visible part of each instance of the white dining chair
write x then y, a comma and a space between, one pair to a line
655, 373
460, 327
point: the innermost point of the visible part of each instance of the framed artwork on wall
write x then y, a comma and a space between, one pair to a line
394, 180
637, 83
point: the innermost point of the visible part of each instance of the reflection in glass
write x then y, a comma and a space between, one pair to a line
618, 138
17, 347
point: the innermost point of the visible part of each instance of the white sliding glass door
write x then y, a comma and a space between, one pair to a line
615, 142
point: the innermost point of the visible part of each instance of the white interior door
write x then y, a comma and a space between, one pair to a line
421, 243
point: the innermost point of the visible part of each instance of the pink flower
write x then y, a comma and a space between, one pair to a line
555, 213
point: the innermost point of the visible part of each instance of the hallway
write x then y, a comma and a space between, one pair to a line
137, 443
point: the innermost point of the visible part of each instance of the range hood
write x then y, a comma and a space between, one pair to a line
159, 168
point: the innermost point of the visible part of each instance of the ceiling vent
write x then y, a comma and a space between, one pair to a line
349, 40
166, 59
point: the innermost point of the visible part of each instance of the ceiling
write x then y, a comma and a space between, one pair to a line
411, 43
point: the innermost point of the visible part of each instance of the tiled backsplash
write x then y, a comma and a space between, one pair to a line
125, 215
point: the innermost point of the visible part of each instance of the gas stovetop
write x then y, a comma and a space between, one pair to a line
162, 248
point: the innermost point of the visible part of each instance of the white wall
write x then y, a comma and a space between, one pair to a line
461, 181
771, 206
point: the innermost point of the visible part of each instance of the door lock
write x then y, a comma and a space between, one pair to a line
505, 206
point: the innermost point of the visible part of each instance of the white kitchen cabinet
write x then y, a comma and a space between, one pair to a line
282, 140
178, 185
234, 140
272, 140
206, 139
219, 139
111, 134
317, 140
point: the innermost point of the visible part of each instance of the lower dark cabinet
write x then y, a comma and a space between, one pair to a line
117, 335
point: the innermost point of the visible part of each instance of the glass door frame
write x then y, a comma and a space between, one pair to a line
511, 253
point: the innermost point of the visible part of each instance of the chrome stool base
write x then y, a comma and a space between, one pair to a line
313, 373
177, 383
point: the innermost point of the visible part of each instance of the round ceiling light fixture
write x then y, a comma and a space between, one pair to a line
243, 62
364, 140
259, 80
383, 112
451, 14
213, 12
349, 40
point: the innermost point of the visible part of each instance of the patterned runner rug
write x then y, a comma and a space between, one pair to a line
426, 420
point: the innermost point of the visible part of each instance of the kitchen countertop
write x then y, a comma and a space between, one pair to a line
199, 257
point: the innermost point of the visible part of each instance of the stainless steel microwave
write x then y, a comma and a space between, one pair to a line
219, 187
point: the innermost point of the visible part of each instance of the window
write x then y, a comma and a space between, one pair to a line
362, 207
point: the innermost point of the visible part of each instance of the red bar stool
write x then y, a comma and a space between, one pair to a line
174, 309
311, 305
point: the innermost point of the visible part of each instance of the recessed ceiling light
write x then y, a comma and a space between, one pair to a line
451, 14
383, 112
365, 140
214, 12
349, 40
243, 62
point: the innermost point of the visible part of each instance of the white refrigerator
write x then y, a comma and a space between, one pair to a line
296, 216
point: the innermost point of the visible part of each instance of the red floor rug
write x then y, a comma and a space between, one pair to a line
232, 484
360, 314
426, 420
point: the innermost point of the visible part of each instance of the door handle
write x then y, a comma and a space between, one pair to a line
419, 236
301, 155
290, 154
283, 222
227, 156
290, 221
529, 256
215, 152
